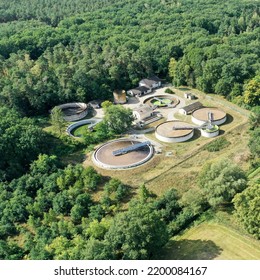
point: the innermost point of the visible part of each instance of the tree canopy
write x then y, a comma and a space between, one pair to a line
247, 206
21, 141
64, 52
137, 234
118, 119
220, 181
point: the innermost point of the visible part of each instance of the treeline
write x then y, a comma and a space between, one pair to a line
89, 55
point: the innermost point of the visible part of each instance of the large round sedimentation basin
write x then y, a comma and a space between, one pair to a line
201, 116
104, 158
162, 101
74, 111
171, 132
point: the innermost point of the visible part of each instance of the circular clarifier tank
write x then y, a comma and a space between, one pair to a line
201, 116
174, 131
162, 101
104, 156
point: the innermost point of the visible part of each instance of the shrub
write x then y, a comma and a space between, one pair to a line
168, 90
217, 145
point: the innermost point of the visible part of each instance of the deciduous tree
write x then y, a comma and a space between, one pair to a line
220, 181
247, 206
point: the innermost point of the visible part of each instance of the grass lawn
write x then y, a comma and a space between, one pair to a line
181, 169
212, 241
81, 130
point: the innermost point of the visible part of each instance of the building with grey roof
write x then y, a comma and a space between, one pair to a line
190, 108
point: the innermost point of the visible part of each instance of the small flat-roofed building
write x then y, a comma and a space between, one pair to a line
189, 95
139, 91
142, 112
190, 108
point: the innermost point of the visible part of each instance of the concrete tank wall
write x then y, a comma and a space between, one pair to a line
209, 134
91, 122
214, 122
75, 117
174, 139
108, 166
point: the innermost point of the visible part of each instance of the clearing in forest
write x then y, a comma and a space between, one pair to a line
212, 241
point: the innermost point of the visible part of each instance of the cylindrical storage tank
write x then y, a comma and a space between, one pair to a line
201, 116
172, 132
119, 96
210, 132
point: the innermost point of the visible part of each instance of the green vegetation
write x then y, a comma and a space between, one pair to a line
81, 131
57, 120
252, 91
55, 64
247, 209
220, 181
168, 90
54, 52
118, 119
21, 140
162, 102
54, 212
212, 241
217, 145
212, 129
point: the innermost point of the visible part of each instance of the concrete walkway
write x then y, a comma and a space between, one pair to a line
168, 113
175, 110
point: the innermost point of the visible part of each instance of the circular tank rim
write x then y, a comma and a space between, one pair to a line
168, 96
224, 114
174, 139
122, 167
173, 121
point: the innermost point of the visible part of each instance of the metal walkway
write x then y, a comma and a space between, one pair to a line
131, 148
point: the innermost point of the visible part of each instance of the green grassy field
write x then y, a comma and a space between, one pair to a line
81, 130
212, 241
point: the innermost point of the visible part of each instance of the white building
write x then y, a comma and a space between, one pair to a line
139, 91
153, 82
145, 86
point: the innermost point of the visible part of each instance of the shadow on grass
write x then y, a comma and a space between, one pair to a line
221, 132
191, 250
229, 119
183, 88
197, 134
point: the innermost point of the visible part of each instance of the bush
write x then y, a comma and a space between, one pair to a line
217, 145
168, 90
182, 220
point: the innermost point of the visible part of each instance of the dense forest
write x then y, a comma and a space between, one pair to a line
52, 213
53, 52
87, 55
